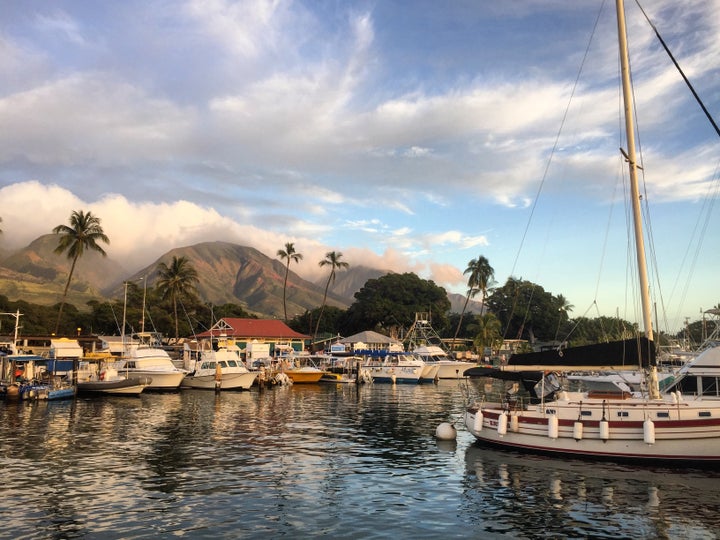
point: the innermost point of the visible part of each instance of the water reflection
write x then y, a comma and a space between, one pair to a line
543, 496
339, 461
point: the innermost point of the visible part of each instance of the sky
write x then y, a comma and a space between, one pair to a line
408, 135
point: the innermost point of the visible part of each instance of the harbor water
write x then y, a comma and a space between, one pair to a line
338, 461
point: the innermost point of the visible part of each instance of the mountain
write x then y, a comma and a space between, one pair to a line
38, 275
457, 301
243, 275
229, 273
351, 280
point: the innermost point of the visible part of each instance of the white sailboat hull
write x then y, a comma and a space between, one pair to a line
679, 431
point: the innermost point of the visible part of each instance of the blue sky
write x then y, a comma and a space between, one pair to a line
409, 135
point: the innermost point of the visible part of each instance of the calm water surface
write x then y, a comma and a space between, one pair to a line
316, 460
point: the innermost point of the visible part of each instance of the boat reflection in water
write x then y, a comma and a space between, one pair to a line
565, 498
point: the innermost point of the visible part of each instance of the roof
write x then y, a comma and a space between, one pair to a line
252, 328
368, 337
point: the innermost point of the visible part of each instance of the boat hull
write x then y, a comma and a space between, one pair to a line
161, 380
395, 374
228, 381
304, 377
678, 432
132, 386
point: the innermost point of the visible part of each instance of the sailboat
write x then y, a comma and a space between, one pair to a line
680, 426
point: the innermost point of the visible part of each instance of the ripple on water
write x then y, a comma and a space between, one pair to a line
315, 460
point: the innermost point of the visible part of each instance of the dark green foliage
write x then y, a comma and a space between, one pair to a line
391, 302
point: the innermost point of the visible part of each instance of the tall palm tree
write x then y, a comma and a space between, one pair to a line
83, 233
288, 254
176, 280
480, 278
332, 259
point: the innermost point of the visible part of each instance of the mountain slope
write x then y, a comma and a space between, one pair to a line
230, 273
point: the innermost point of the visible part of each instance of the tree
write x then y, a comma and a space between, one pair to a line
175, 281
332, 259
564, 306
288, 254
83, 233
392, 301
488, 334
480, 278
524, 309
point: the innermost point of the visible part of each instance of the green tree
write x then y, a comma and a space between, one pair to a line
332, 259
524, 309
391, 301
563, 306
487, 332
480, 277
175, 281
288, 254
83, 233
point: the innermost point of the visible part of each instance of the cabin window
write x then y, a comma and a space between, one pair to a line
223, 363
623, 414
709, 386
232, 363
586, 413
704, 414
204, 365
688, 385
663, 415
549, 411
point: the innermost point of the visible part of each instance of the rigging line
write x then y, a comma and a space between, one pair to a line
552, 154
690, 86
557, 137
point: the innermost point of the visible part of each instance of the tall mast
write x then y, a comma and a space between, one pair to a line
634, 189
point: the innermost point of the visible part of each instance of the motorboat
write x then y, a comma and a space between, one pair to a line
395, 368
218, 368
152, 363
108, 381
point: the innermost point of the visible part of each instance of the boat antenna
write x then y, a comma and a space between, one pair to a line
677, 66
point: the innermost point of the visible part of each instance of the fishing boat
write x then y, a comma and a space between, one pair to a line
680, 426
301, 370
395, 368
216, 368
107, 381
154, 364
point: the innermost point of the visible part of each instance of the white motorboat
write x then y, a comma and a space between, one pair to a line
217, 369
395, 368
447, 368
681, 425
153, 363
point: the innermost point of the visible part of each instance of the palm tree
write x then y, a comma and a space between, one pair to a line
481, 277
177, 279
564, 306
83, 233
288, 254
332, 259
488, 332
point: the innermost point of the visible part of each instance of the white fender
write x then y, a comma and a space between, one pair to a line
649, 431
604, 430
502, 423
553, 426
578, 430
515, 423
478, 422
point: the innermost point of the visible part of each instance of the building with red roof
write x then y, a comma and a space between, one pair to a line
278, 335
